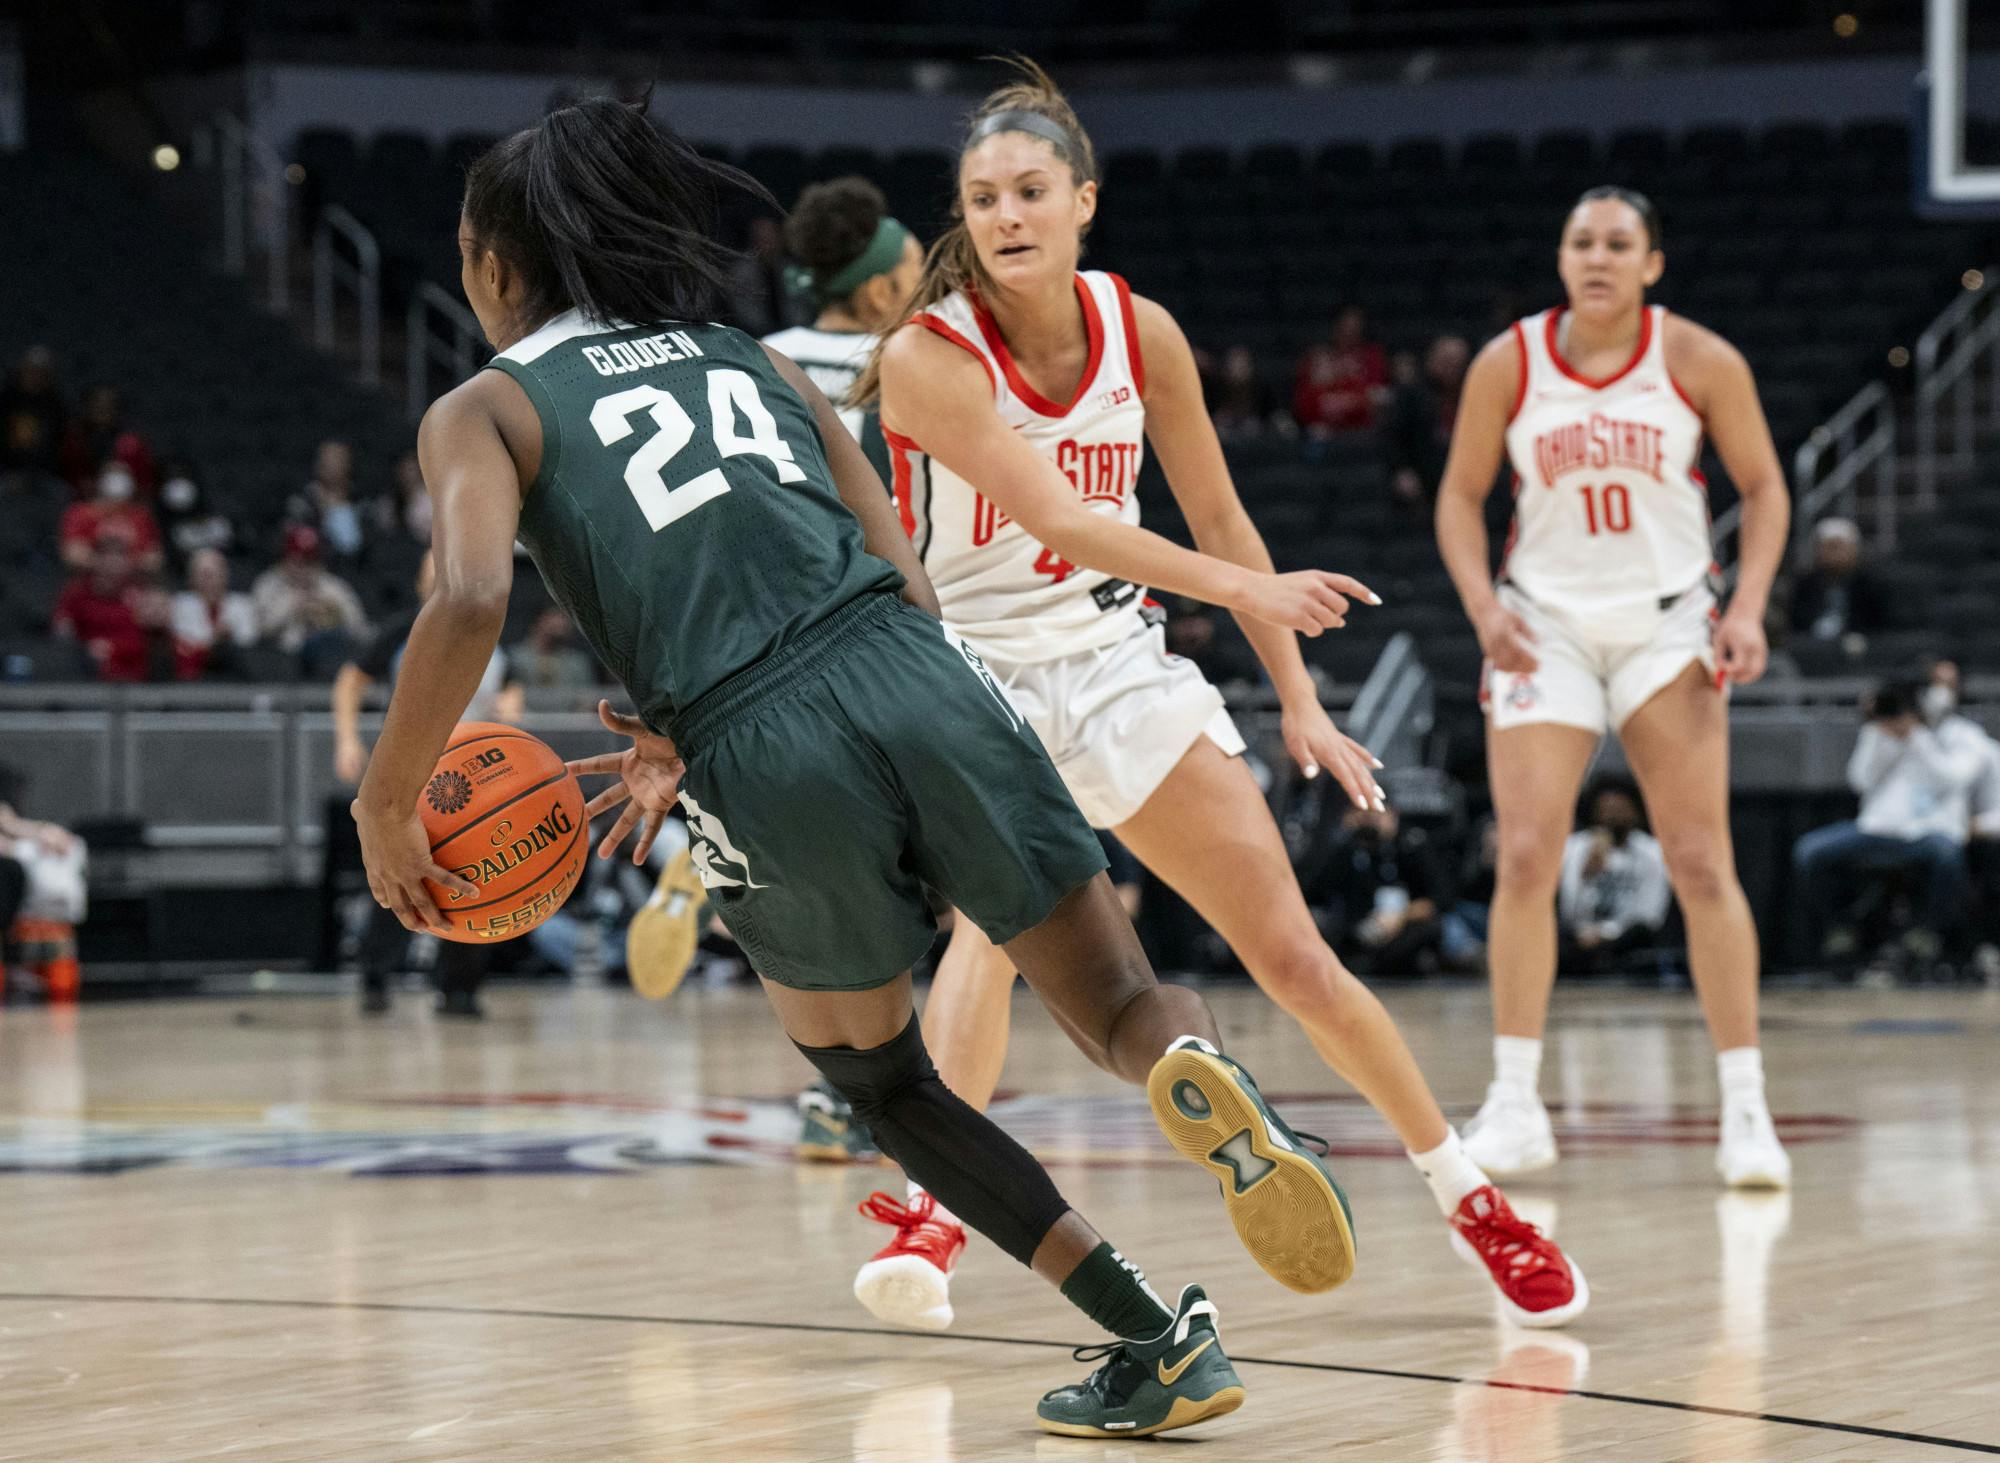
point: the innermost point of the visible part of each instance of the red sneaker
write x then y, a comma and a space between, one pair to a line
908, 1283
1539, 1285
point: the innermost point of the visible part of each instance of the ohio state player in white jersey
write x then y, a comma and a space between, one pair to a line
1018, 374
1602, 619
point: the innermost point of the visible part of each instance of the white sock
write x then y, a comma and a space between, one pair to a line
1741, 1073
938, 1211
1517, 1065
1449, 1172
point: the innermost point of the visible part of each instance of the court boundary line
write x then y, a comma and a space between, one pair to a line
1964, 1445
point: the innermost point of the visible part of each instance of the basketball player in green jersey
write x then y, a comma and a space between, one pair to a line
694, 503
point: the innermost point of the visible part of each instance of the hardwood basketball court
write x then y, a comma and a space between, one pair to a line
264, 1228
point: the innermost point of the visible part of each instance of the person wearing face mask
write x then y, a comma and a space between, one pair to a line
1614, 893
187, 521
1915, 767
114, 509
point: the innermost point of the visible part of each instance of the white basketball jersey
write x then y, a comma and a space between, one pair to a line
832, 360
1006, 594
1610, 506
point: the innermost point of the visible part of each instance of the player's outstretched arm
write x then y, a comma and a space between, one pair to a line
1184, 440
861, 490
939, 395
475, 489
1478, 443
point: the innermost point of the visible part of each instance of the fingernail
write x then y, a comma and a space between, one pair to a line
1377, 762
1374, 598
1311, 771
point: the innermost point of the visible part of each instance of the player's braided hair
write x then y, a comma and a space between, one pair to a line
953, 263
605, 210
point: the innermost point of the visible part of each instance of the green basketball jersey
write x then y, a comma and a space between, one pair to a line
684, 513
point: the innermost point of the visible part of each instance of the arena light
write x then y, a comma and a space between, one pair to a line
1973, 279
1899, 357
294, 174
166, 157
1845, 26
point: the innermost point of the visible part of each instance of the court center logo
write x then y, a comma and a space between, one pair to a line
718, 863
979, 669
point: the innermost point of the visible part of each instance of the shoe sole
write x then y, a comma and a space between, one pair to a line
1769, 1182
905, 1290
1185, 1412
834, 1153
1538, 1160
1560, 1315
1290, 1216
660, 944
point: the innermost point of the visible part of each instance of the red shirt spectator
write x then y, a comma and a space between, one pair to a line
1340, 383
99, 435
84, 525
107, 612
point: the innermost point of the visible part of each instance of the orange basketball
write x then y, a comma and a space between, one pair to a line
504, 813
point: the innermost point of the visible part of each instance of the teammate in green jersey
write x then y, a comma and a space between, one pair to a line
694, 503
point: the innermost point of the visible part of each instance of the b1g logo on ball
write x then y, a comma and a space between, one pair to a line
448, 792
479, 762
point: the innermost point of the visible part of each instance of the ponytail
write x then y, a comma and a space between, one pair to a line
606, 212
1032, 103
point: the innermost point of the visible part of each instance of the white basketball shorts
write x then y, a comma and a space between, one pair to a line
1117, 720
1587, 682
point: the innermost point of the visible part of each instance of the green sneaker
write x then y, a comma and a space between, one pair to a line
1288, 1211
828, 1132
1177, 1379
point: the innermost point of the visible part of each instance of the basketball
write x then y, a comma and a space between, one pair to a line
504, 813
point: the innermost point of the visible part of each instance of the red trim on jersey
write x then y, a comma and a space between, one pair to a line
1131, 332
1093, 326
1638, 355
900, 448
1686, 400
938, 326
1521, 390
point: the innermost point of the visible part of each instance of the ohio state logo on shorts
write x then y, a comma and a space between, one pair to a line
1522, 693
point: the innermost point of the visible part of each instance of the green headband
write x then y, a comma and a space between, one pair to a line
884, 253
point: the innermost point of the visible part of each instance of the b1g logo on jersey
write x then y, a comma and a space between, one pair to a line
718, 863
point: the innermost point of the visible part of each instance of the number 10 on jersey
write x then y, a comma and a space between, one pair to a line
1607, 509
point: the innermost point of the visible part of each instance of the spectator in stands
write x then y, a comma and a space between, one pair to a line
1614, 895
1342, 382
187, 522
1914, 766
328, 504
549, 660
1381, 894
111, 613
1466, 922
1838, 597
406, 508
31, 414
212, 624
100, 434
1421, 415
113, 510
305, 609
757, 285
1239, 401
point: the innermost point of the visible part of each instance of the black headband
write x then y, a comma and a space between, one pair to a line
1033, 123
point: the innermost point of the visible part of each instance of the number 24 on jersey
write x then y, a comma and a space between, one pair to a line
730, 393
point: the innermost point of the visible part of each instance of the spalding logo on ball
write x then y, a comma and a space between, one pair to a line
504, 813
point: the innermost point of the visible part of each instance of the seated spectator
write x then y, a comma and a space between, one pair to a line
111, 510
1915, 778
99, 434
327, 503
111, 612
1466, 924
1380, 893
406, 508
187, 522
1614, 895
1342, 382
1838, 597
1240, 402
212, 624
549, 660
31, 414
305, 609
1421, 415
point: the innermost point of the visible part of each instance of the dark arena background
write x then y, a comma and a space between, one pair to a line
280, 1181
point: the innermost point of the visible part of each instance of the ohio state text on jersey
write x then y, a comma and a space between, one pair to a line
1000, 589
1610, 506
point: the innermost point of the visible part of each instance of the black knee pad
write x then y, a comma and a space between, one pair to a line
958, 1154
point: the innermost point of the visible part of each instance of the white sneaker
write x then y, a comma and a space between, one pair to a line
1750, 1155
1511, 1134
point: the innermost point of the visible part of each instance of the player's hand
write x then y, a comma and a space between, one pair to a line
1505, 640
1316, 744
1741, 650
397, 855
350, 760
649, 783
1310, 601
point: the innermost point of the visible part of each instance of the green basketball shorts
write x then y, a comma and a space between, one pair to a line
875, 754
